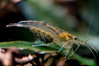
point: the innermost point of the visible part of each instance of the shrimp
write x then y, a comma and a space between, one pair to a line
51, 34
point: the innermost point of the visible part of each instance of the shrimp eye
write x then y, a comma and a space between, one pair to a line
75, 38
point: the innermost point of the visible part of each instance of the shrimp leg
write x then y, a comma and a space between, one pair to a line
67, 50
61, 48
40, 45
74, 50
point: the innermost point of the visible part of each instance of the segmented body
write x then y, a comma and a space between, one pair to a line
51, 34
45, 31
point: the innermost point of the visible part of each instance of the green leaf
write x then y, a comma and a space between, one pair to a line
82, 60
26, 45
50, 49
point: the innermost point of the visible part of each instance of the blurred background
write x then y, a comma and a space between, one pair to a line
78, 17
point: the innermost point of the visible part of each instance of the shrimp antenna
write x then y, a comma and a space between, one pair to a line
90, 37
89, 47
93, 48
90, 50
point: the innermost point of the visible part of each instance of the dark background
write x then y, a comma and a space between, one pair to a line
79, 17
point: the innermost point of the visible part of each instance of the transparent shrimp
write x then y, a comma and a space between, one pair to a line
52, 34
